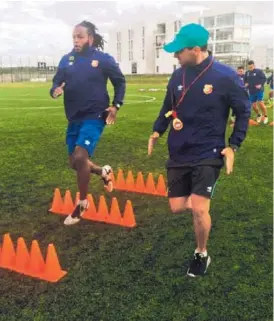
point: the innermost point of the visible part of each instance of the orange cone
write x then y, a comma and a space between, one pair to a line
253, 122
53, 271
128, 217
140, 183
130, 185
7, 253
91, 213
36, 264
57, 204
103, 213
113, 180
150, 185
115, 214
161, 186
22, 256
68, 204
120, 181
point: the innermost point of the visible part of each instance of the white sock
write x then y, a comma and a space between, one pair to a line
203, 253
84, 203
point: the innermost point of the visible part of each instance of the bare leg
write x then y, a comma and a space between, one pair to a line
263, 108
180, 204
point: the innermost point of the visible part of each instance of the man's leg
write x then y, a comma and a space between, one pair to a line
94, 169
180, 204
201, 220
264, 111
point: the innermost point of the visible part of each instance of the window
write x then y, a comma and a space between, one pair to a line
119, 45
143, 54
157, 69
160, 41
134, 68
225, 20
224, 34
177, 25
232, 47
161, 28
211, 36
157, 53
143, 32
209, 22
242, 19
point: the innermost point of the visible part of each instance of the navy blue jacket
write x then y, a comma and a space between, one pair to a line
270, 81
85, 76
253, 78
204, 113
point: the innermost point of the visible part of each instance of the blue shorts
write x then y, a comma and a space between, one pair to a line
259, 96
85, 134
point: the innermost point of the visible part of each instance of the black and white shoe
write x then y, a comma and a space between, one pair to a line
107, 178
76, 215
198, 265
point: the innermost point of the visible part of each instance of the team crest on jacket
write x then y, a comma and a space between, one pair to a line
208, 89
71, 58
95, 63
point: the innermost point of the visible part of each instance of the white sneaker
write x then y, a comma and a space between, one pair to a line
259, 119
107, 178
265, 120
78, 212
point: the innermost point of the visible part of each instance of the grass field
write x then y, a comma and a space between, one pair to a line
118, 274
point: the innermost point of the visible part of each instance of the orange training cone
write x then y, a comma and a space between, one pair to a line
161, 186
7, 253
36, 264
253, 122
140, 184
57, 204
115, 216
22, 256
120, 181
103, 213
130, 185
150, 185
128, 217
53, 271
68, 204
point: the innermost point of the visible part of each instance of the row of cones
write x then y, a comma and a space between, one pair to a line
139, 186
30, 263
102, 214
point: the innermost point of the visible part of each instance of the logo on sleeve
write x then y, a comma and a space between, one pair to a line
95, 63
208, 89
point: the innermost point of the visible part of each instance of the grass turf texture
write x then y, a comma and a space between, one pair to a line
118, 274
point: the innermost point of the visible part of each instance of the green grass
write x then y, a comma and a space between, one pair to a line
118, 274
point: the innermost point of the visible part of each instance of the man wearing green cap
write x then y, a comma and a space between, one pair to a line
197, 104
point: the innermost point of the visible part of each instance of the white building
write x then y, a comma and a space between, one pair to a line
262, 56
138, 48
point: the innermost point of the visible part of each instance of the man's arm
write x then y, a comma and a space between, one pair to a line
162, 122
117, 79
262, 78
241, 106
59, 77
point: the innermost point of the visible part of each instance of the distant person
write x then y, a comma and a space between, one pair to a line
82, 76
196, 108
270, 83
254, 81
241, 74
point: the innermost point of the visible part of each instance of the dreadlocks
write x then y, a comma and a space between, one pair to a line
91, 28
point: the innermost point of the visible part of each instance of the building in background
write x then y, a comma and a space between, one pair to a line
139, 48
262, 56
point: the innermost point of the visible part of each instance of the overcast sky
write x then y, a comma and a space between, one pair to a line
43, 28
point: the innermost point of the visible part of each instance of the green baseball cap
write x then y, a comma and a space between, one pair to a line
189, 36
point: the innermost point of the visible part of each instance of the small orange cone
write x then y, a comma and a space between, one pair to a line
22, 256
68, 204
8, 253
91, 213
140, 183
53, 271
253, 122
130, 185
161, 186
115, 216
120, 181
103, 213
150, 185
128, 217
112, 177
57, 204
36, 264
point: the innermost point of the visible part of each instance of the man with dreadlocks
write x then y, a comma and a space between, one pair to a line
82, 76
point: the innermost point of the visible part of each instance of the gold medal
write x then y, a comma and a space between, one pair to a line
177, 124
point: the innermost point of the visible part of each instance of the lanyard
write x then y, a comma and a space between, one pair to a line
185, 90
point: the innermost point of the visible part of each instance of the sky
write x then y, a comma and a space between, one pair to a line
43, 28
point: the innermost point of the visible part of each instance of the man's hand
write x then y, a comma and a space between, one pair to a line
258, 86
152, 141
58, 91
112, 113
228, 153
246, 84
